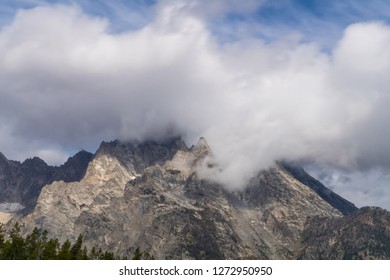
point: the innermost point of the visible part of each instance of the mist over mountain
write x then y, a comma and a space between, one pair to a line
150, 195
280, 90
255, 99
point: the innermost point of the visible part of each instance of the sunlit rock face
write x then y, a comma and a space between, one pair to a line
148, 195
21, 183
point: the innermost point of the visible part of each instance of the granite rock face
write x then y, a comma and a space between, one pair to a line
365, 234
341, 204
148, 195
22, 182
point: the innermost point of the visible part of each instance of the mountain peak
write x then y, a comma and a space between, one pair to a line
80, 157
150, 195
22, 182
3, 160
2, 157
341, 204
35, 162
202, 143
136, 155
201, 149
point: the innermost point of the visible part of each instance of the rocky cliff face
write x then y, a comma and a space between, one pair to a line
22, 183
365, 234
148, 195
341, 204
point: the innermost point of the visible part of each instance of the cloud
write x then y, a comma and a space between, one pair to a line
67, 83
369, 187
67, 80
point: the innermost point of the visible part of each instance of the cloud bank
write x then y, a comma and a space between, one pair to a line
67, 82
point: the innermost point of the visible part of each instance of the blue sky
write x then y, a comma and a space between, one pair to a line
318, 18
123, 15
261, 80
322, 21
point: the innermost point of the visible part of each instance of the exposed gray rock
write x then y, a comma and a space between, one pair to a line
148, 195
22, 182
326, 194
363, 235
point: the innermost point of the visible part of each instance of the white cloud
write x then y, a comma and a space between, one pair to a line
67, 82
367, 187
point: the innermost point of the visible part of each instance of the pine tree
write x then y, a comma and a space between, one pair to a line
16, 249
84, 254
108, 256
2, 240
147, 256
75, 250
93, 255
5, 254
33, 245
50, 250
137, 254
100, 254
37, 246
64, 253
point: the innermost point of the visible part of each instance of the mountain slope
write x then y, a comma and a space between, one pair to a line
363, 235
341, 204
22, 182
149, 195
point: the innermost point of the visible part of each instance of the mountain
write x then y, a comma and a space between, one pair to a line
341, 204
149, 195
21, 183
365, 234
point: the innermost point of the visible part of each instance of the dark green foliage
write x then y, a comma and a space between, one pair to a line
50, 250
94, 255
15, 248
1, 238
64, 253
37, 246
35, 243
138, 255
84, 254
76, 252
108, 256
147, 256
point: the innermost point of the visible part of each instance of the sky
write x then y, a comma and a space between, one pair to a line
261, 80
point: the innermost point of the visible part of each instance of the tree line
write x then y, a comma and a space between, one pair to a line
37, 246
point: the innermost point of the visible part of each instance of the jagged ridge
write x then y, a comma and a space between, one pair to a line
365, 234
149, 195
22, 182
341, 204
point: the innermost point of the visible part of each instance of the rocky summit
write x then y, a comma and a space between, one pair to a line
21, 183
149, 195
